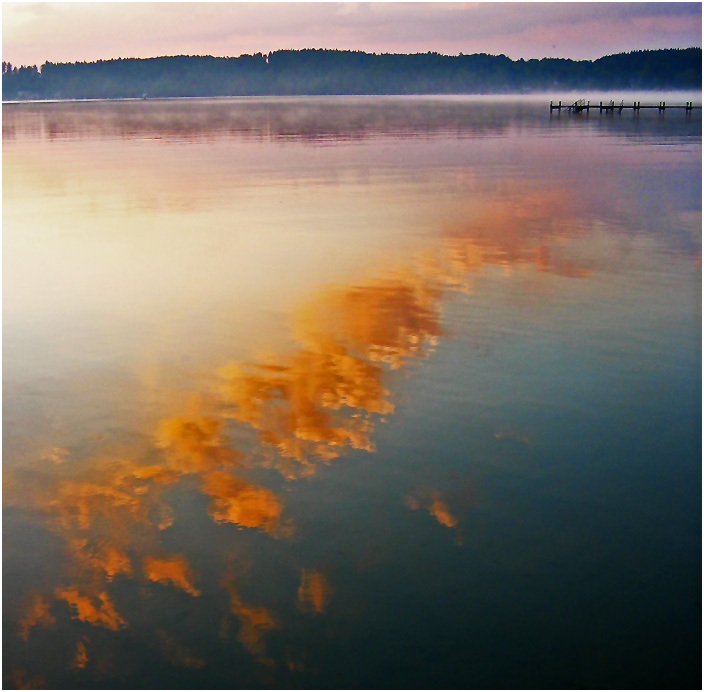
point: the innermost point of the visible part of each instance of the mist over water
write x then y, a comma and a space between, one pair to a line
366, 392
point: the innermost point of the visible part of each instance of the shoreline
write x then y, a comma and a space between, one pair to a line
658, 95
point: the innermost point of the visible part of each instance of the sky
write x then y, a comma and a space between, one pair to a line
36, 32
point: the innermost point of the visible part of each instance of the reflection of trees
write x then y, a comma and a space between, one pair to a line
257, 119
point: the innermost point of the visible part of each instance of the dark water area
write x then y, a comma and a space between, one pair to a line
351, 392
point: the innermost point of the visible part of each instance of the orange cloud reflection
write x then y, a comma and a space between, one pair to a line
36, 614
105, 559
80, 659
314, 591
308, 406
526, 227
173, 569
294, 405
432, 501
438, 508
255, 622
323, 397
240, 503
194, 444
384, 320
96, 609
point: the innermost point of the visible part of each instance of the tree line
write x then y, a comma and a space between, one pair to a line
313, 72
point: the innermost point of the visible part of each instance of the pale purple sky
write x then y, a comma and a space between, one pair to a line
34, 32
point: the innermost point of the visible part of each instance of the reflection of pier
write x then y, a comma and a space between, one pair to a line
610, 106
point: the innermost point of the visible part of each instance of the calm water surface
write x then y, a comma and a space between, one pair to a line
350, 393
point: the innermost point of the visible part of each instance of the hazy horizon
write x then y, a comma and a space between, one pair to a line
34, 33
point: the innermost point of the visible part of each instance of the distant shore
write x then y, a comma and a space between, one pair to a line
348, 73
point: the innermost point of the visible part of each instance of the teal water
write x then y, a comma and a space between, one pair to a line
351, 393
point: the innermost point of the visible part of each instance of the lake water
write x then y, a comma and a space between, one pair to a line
351, 393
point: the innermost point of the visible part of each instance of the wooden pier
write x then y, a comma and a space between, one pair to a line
610, 107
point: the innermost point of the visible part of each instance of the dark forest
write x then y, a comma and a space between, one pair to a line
311, 72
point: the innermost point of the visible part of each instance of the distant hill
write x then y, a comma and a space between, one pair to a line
349, 72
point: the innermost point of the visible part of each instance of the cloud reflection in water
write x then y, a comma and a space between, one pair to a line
308, 407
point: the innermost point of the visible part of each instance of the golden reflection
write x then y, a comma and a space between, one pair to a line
35, 614
433, 502
526, 229
383, 321
308, 406
194, 444
314, 591
323, 397
105, 559
240, 503
328, 395
438, 508
254, 621
171, 570
297, 406
117, 492
80, 659
96, 609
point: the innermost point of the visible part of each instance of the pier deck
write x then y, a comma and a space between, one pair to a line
610, 106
